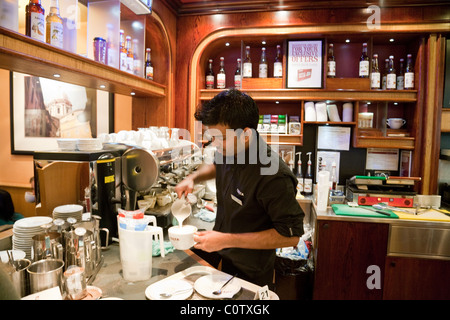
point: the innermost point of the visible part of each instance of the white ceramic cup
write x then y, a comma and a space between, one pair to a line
182, 238
395, 123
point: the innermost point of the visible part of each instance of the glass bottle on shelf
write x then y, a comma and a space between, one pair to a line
391, 77
221, 75
364, 63
247, 65
54, 26
210, 75
136, 59
148, 64
35, 20
122, 52
409, 73
130, 62
375, 74
400, 76
263, 64
331, 62
278, 64
238, 75
386, 67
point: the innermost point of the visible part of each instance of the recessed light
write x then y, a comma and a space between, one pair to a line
132, 93
57, 75
391, 40
263, 42
102, 86
395, 103
227, 44
368, 102
277, 102
347, 40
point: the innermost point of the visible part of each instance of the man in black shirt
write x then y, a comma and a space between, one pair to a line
256, 207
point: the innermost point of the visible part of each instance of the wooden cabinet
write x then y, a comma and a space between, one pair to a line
344, 251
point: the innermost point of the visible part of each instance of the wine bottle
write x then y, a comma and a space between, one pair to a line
375, 75
122, 52
278, 64
238, 75
221, 75
148, 64
35, 20
331, 73
210, 75
247, 65
401, 76
364, 63
263, 64
409, 73
386, 68
391, 77
130, 61
54, 26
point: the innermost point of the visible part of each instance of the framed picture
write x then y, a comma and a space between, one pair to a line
304, 64
43, 110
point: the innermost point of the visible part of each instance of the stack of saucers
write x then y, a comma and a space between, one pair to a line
68, 211
89, 145
24, 230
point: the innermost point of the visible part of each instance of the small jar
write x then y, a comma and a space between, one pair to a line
100, 49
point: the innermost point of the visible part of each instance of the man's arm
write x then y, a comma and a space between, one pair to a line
268, 239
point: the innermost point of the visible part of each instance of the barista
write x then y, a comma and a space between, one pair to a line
256, 207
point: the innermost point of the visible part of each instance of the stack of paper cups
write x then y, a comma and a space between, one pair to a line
333, 114
321, 111
323, 186
310, 111
347, 112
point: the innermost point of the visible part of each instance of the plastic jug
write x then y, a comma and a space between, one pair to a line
136, 251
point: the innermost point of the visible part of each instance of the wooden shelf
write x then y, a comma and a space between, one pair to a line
406, 143
330, 123
322, 94
22, 54
283, 139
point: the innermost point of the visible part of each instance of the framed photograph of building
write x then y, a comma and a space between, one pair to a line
304, 64
43, 110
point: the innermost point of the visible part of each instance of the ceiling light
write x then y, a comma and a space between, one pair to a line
57, 75
227, 44
391, 40
102, 86
347, 40
133, 93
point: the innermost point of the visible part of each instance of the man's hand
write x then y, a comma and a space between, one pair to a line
186, 186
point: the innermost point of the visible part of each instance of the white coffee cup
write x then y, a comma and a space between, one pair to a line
395, 123
182, 238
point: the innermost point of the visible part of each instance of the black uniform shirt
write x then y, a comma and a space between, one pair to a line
250, 200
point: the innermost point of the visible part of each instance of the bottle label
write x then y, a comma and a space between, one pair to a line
221, 81
308, 186
56, 34
130, 64
409, 80
299, 185
247, 70
123, 61
237, 81
375, 80
149, 73
391, 82
37, 26
364, 68
210, 82
383, 84
277, 70
331, 68
400, 83
263, 70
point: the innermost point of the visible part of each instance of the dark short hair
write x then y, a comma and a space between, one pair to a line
232, 108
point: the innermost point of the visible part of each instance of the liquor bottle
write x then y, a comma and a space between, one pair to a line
263, 64
391, 77
333, 177
409, 73
307, 187
247, 65
210, 76
386, 67
278, 64
148, 64
401, 76
299, 175
375, 75
130, 62
364, 63
35, 20
331, 73
54, 26
238, 75
111, 52
136, 59
221, 75
122, 52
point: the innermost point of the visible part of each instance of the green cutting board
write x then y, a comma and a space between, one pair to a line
345, 210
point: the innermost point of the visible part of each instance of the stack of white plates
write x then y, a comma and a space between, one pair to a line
89, 145
68, 211
67, 144
24, 230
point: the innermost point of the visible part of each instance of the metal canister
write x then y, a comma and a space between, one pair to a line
100, 49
